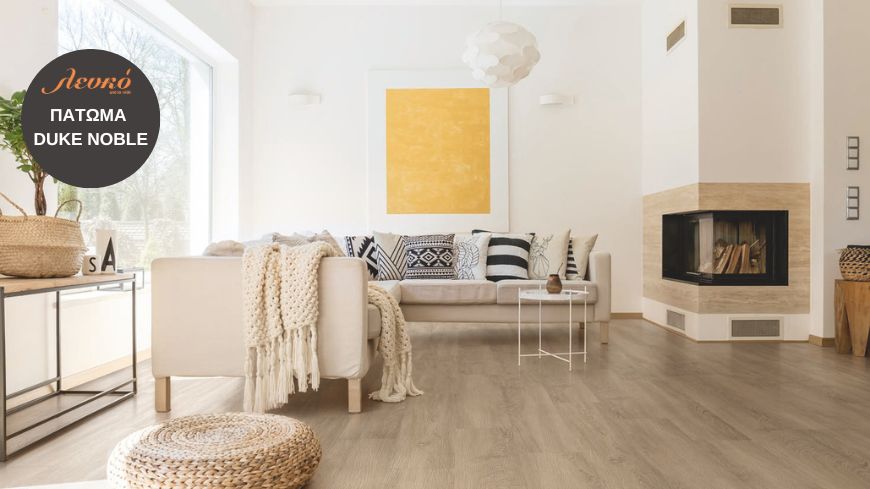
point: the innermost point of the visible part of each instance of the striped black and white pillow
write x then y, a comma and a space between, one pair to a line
571, 267
508, 256
579, 248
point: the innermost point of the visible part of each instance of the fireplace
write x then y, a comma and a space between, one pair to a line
726, 247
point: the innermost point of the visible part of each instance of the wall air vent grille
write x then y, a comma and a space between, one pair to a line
676, 320
756, 16
676, 36
756, 328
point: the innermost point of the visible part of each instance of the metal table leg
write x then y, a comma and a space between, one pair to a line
3, 373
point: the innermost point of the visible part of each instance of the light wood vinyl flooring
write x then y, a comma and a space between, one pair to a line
650, 410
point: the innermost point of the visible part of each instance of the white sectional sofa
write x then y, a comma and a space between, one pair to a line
197, 315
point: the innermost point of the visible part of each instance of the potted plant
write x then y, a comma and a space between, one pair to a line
12, 139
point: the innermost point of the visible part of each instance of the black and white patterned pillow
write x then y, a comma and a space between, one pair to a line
508, 256
571, 267
579, 248
392, 258
363, 247
430, 256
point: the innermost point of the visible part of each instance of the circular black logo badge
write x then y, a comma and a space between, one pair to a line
90, 118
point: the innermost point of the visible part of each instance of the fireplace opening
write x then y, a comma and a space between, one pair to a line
726, 247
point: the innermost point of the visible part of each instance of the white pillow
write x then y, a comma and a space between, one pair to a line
470, 255
578, 256
549, 254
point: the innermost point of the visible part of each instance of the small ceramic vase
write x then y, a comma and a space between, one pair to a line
554, 283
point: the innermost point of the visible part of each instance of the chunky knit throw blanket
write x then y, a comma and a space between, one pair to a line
395, 347
279, 284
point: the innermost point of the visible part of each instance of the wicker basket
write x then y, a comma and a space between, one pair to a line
855, 263
40, 246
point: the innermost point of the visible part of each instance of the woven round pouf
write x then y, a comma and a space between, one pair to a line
235, 450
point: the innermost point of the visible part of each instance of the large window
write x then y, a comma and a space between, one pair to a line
163, 209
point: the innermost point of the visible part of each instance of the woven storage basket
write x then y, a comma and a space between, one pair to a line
40, 246
855, 263
233, 450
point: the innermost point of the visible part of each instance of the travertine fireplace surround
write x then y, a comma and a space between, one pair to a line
708, 309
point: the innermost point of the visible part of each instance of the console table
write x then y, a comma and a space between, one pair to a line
16, 287
852, 315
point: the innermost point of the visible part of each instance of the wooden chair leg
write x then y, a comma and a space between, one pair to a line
162, 394
354, 395
604, 332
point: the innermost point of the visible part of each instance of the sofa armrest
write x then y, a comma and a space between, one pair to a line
197, 326
599, 274
342, 328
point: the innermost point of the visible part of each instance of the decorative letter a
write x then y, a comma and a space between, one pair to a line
108, 257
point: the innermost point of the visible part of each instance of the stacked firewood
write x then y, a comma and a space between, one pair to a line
738, 258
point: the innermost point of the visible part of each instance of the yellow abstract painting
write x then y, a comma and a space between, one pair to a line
438, 151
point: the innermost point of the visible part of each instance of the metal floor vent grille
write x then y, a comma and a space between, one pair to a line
756, 328
676, 320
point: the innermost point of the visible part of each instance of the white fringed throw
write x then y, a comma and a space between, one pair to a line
279, 284
395, 346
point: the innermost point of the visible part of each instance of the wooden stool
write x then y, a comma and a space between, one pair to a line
852, 314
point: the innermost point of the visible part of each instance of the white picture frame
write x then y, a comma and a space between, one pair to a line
498, 218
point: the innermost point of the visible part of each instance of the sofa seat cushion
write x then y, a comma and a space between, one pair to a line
374, 330
391, 286
508, 290
441, 291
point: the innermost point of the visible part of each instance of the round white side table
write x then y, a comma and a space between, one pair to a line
541, 296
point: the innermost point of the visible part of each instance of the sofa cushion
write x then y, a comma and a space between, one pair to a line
507, 256
363, 247
470, 258
374, 330
430, 257
440, 291
549, 254
391, 256
579, 249
509, 289
391, 286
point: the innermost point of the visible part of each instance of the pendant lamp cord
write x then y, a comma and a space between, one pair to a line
500, 16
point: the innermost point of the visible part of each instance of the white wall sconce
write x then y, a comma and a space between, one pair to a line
304, 99
556, 99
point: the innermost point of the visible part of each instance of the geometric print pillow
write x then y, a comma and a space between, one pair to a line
363, 247
430, 257
392, 259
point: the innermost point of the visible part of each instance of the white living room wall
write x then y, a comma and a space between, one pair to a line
670, 96
846, 105
572, 166
758, 88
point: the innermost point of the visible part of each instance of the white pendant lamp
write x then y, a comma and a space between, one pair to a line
501, 54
